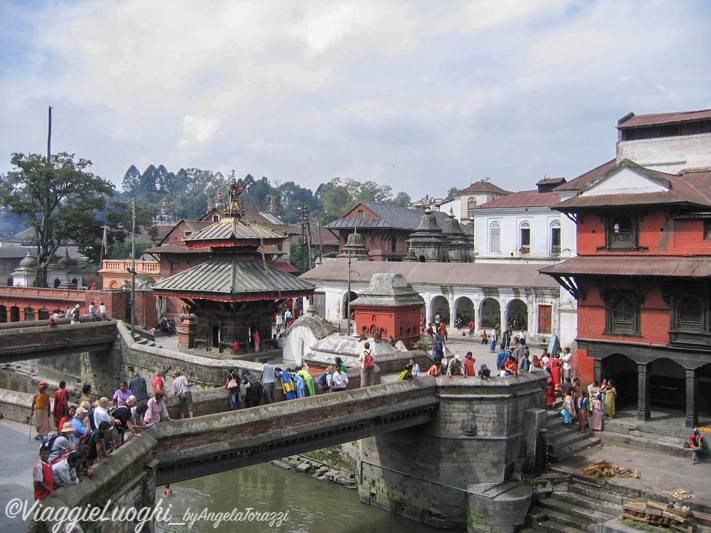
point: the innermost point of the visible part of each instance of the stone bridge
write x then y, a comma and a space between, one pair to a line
37, 339
219, 442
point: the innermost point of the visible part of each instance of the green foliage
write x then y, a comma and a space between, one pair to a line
60, 200
122, 250
337, 199
297, 259
452, 191
402, 199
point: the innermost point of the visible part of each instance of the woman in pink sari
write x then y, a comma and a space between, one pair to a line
596, 413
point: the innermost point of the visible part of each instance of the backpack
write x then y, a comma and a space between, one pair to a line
368, 363
323, 382
49, 441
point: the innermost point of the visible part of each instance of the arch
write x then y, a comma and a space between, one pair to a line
114, 285
14, 314
495, 238
422, 259
489, 313
464, 309
347, 298
667, 384
517, 315
471, 205
623, 371
440, 304
3, 314
29, 314
555, 233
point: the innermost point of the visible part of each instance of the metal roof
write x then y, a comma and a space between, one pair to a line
438, 274
233, 229
665, 118
233, 281
626, 265
523, 199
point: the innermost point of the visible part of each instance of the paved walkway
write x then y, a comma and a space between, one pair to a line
19, 456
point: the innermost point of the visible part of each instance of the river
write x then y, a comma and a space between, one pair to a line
313, 506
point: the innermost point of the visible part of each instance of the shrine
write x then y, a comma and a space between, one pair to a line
232, 297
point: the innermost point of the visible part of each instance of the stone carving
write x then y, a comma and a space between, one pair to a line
470, 429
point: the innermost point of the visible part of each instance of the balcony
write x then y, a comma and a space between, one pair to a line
688, 338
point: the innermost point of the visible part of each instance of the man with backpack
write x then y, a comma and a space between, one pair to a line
367, 371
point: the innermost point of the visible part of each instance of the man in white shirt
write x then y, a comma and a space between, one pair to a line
338, 381
65, 471
101, 413
102, 311
181, 387
567, 358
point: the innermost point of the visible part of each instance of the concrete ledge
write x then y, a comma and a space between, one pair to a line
15, 406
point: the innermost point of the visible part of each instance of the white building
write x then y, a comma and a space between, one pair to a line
464, 202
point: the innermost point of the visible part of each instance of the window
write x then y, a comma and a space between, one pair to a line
525, 230
623, 313
495, 238
621, 232
393, 248
471, 205
690, 314
555, 237
361, 213
43, 314
707, 230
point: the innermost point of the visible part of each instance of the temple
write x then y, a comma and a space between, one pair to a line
235, 293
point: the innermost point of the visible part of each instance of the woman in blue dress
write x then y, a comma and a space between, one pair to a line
287, 385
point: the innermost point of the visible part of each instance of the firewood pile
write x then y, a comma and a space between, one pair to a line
656, 514
608, 469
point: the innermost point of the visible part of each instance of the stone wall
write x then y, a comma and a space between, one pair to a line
15, 406
126, 481
476, 437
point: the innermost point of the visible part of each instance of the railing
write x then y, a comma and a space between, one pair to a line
125, 264
555, 249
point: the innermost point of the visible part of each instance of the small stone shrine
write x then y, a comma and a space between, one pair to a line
389, 307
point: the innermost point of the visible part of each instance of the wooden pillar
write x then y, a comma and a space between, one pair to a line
642, 391
692, 417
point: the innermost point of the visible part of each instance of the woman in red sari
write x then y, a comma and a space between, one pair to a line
61, 403
551, 388
555, 365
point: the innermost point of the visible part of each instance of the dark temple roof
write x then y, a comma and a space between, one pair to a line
625, 265
388, 217
233, 281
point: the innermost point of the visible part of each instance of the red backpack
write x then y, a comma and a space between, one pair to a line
368, 363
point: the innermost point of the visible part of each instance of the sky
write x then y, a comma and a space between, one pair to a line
418, 95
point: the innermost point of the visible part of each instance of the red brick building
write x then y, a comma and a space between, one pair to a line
642, 277
385, 228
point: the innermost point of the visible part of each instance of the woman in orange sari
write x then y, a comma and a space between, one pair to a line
40, 408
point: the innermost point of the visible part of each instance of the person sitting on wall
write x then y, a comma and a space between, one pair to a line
337, 381
406, 374
97, 446
484, 372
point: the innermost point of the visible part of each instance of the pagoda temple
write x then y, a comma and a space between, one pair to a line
236, 292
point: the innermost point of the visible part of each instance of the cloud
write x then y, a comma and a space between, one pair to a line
197, 131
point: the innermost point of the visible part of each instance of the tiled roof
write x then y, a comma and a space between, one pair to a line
586, 179
233, 281
464, 274
481, 187
646, 265
665, 118
523, 199
388, 217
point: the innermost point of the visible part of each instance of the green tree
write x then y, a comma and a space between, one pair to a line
291, 198
452, 191
131, 181
402, 199
337, 199
60, 199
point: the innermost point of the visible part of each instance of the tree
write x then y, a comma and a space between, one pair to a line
452, 191
336, 198
131, 181
402, 199
60, 199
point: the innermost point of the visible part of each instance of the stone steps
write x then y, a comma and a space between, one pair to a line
554, 521
565, 441
645, 443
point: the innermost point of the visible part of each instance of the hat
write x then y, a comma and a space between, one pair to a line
81, 411
67, 427
77, 305
43, 384
458, 357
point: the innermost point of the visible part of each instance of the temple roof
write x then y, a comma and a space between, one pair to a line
234, 281
236, 231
